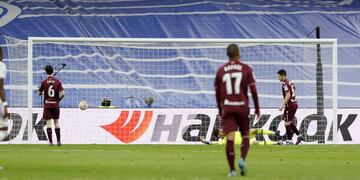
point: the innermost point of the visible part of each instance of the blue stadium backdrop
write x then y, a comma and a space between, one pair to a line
197, 19
338, 19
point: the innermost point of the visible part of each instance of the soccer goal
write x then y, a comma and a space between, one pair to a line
169, 75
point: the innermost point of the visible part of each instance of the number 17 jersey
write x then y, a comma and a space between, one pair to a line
51, 88
231, 84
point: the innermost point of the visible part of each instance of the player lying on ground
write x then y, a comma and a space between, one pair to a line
4, 109
53, 93
232, 82
289, 106
219, 133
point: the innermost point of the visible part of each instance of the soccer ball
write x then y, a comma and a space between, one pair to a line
83, 105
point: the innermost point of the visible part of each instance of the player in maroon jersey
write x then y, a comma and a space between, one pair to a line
53, 93
289, 106
231, 86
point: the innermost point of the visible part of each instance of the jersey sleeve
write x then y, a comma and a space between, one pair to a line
217, 92
251, 78
286, 87
222, 141
2, 70
41, 88
60, 87
216, 83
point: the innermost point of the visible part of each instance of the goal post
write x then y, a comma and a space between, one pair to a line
178, 73
30, 90
335, 90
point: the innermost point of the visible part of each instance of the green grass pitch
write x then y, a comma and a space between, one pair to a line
176, 162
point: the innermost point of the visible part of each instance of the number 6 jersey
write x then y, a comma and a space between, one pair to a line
51, 88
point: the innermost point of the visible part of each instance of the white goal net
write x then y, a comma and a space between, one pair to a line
174, 73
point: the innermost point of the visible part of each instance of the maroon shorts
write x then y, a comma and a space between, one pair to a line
234, 121
51, 113
289, 112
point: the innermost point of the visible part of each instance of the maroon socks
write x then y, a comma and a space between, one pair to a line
244, 147
57, 132
230, 154
49, 133
294, 129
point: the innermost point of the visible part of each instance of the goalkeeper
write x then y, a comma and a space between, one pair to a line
238, 139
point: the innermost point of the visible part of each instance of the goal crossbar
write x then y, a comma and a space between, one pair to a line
178, 40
